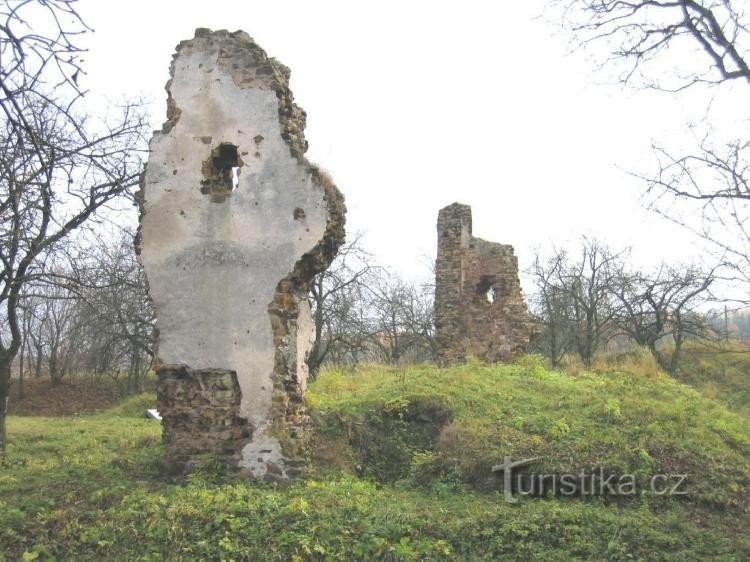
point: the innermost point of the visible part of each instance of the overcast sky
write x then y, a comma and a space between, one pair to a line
414, 105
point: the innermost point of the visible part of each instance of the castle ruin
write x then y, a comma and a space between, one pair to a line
235, 223
479, 310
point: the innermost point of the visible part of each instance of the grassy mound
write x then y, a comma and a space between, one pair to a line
623, 423
401, 471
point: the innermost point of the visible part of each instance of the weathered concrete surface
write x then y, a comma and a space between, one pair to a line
235, 223
479, 310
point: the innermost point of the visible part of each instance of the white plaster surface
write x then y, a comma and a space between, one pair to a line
213, 267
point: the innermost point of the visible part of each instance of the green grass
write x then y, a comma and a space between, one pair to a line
400, 471
717, 370
626, 423
723, 374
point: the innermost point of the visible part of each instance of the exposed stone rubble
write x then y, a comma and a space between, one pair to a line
235, 223
479, 310
200, 414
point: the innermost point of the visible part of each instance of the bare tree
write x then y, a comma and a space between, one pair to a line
363, 312
33, 307
716, 179
27, 317
58, 168
661, 311
116, 312
674, 45
419, 318
588, 282
574, 299
400, 319
647, 37
584, 303
59, 326
335, 295
551, 304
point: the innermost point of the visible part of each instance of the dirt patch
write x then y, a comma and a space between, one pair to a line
382, 443
42, 398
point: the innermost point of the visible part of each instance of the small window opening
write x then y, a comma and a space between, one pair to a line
486, 290
221, 172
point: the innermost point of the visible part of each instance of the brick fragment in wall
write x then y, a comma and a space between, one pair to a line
235, 222
479, 308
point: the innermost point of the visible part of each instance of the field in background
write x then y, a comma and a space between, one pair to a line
719, 372
75, 395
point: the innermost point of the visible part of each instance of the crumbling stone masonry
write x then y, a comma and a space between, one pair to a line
200, 413
235, 223
479, 310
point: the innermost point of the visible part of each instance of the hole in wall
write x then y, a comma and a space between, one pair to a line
486, 291
221, 172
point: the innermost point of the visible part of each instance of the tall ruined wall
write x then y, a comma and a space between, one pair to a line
235, 223
479, 310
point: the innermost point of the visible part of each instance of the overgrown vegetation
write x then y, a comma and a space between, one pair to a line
629, 424
722, 373
400, 471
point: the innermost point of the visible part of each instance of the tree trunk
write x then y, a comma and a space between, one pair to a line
139, 373
20, 373
3, 413
661, 360
38, 364
315, 357
674, 360
55, 372
134, 386
5, 362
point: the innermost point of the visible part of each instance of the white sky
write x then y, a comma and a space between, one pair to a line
412, 106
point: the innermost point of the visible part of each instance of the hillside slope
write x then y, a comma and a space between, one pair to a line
722, 373
401, 470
